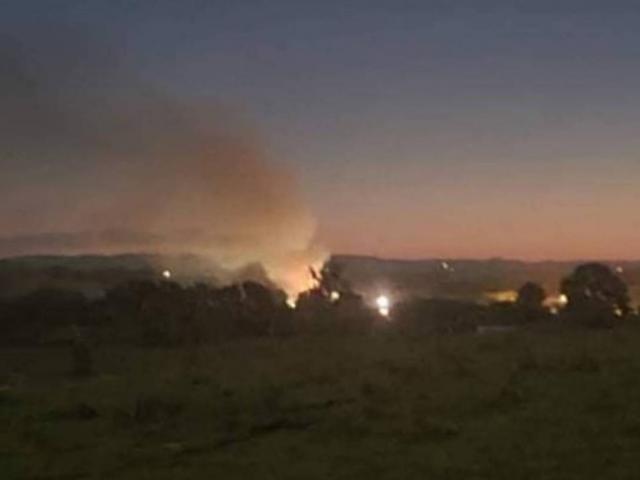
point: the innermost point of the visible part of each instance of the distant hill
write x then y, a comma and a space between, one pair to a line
462, 278
81, 262
89, 274
469, 279
92, 274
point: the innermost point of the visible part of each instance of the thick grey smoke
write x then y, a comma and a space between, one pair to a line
94, 160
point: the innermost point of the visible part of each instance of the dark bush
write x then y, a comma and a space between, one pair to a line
596, 295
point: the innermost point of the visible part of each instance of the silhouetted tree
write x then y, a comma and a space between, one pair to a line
265, 309
596, 295
531, 296
331, 305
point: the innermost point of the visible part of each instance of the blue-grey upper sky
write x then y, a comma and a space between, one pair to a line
415, 128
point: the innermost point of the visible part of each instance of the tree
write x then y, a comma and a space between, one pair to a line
595, 294
531, 296
331, 304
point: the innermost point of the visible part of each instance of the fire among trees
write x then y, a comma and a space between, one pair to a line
164, 312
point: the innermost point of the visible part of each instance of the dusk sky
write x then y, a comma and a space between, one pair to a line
411, 128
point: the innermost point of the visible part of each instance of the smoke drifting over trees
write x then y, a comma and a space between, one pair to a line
96, 160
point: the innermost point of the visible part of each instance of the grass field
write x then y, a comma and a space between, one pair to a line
558, 404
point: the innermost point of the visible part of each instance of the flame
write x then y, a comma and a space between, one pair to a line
292, 274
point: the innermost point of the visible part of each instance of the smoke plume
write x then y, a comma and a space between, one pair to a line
95, 160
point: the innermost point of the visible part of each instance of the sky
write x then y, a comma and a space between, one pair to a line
406, 128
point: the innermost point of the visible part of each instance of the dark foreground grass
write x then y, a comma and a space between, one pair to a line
562, 404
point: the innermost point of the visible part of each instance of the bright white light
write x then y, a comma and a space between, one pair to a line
384, 304
562, 299
446, 266
166, 274
382, 301
291, 302
335, 296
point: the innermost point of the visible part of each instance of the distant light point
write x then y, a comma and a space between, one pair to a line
166, 274
384, 305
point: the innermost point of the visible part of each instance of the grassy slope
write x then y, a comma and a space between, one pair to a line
522, 405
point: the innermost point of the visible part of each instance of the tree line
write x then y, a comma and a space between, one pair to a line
165, 313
